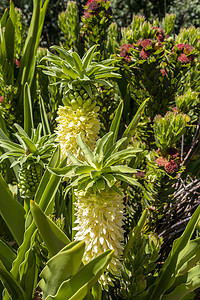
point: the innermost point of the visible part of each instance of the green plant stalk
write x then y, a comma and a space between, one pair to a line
136, 231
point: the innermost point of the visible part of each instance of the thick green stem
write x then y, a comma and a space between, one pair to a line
135, 232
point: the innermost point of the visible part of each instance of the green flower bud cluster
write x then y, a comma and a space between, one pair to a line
29, 178
78, 98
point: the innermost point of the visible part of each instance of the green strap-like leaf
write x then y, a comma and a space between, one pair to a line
54, 238
167, 275
7, 255
115, 125
11, 284
88, 56
12, 212
61, 267
86, 151
44, 118
77, 287
101, 144
131, 129
121, 155
28, 114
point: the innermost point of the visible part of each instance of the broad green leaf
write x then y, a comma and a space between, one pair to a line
110, 179
11, 284
63, 54
167, 275
28, 113
115, 125
131, 129
29, 144
12, 146
65, 171
29, 270
77, 61
7, 255
113, 148
88, 56
190, 258
118, 169
184, 285
77, 287
127, 179
86, 151
54, 162
101, 143
12, 212
45, 194
54, 238
44, 118
83, 170
121, 155
61, 267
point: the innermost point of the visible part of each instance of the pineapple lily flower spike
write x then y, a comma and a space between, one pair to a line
32, 154
78, 78
99, 206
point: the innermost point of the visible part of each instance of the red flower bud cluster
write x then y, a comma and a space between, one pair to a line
148, 46
17, 62
163, 72
159, 33
183, 51
125, 51
1, 99
93, 8
171, 167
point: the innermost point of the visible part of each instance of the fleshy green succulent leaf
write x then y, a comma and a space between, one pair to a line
69, 71
118, 169
11, 284
88, 56
7, 255
65, 171
121, 155
37, 133
78, 62
114, 148
131, 129
44, 118
77, 287
89, 156
28, 114
12, 212
29, 144
61, 267
110, 179
52, 235
101, 144
74, 160
83, 170
127, 179
167, 274
184, 285
65, 54
115, 125
12, 146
